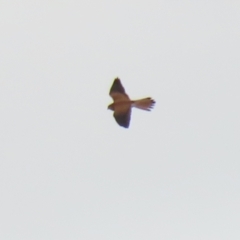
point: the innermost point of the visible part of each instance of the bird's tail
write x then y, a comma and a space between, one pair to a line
145, 104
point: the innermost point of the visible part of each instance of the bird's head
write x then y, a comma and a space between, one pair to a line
111, 107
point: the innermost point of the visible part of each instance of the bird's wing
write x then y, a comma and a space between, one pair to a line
117, 91
123, 117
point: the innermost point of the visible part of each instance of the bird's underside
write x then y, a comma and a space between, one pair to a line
122, 104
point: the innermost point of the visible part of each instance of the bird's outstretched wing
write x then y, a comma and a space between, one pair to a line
123, 118
117, 91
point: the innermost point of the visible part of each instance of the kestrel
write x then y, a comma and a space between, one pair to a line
122, 104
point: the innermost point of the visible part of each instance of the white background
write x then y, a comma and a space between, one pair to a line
68, 171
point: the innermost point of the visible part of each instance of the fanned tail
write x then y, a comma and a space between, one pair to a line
145, 104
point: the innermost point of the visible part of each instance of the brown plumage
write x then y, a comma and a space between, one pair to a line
122, 104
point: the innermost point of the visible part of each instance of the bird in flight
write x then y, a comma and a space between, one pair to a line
122, 104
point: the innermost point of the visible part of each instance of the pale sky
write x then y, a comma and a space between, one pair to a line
68, 171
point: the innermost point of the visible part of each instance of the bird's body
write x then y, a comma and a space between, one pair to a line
122, 104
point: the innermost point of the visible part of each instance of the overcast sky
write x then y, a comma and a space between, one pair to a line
68, 171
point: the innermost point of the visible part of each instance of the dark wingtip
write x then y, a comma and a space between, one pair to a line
117, 86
